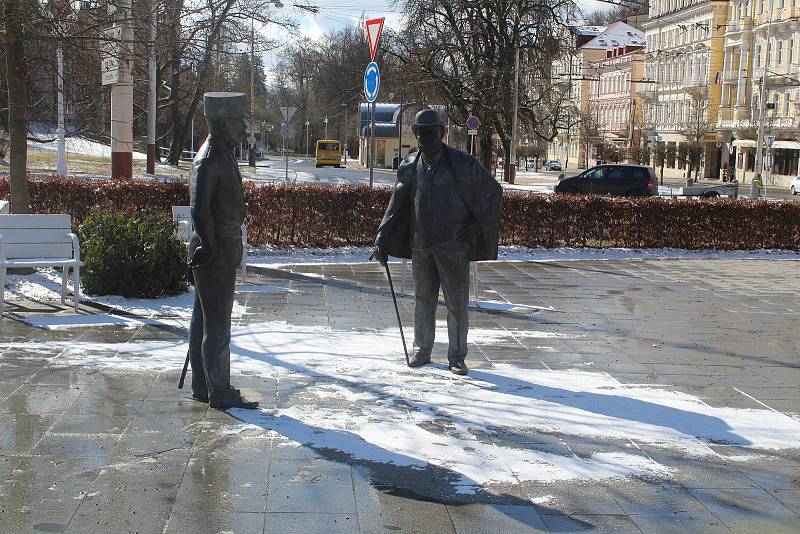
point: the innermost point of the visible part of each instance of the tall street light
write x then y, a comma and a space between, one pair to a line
759, 167
70, 14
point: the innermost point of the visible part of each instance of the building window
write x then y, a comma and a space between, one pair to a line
785, 104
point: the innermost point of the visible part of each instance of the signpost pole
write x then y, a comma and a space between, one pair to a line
371, 143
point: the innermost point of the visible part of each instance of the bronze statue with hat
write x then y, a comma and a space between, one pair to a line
215, 250
444, 212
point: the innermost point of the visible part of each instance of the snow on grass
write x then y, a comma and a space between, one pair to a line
73, 144
363, 401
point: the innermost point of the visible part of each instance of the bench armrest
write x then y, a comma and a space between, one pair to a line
76, 247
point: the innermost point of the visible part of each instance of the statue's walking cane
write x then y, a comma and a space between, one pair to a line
183, 373
396, 310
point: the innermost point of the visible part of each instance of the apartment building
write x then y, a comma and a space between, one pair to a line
615, 103
591, 44
747, 64
684, 41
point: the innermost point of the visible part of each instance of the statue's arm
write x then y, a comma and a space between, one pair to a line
205, 187
398, 206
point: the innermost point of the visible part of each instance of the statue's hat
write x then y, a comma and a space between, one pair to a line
220, 105
426, 118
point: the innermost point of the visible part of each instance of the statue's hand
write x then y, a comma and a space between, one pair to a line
202, 256
380, 255
468, 233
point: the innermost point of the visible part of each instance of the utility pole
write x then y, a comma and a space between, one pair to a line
61, 163
122, 99
371, 143
307, 125
152, 95
759, 167
345, 133
512, 154
251, 140
326, 125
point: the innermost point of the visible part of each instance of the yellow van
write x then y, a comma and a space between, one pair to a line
329, 152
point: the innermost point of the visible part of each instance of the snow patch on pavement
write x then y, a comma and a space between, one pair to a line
364, 402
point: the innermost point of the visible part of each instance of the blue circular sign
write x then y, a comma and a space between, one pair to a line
372, 82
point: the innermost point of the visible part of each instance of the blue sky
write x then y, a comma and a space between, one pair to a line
339, 13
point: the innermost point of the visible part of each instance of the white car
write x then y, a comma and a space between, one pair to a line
794, 187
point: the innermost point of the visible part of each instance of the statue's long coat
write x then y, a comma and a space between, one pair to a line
481, 193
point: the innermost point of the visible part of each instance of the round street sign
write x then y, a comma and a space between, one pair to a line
372, 82
473, 122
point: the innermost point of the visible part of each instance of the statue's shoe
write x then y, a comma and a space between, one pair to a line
419, 359
458, 367
231, 399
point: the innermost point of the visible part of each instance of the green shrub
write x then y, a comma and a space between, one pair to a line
133, 257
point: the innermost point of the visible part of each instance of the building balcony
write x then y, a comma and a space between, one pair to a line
736, 26
791, 123
730, 76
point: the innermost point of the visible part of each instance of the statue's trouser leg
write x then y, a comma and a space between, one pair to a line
215, 288
426, 298
199, 386
453, 268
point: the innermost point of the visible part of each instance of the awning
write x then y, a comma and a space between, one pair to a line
745, 142
790, 145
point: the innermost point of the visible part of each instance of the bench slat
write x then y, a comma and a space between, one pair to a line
39, 235
35, 221
38, 250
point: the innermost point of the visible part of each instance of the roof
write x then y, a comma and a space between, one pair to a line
586, 30
616, 35
387, 117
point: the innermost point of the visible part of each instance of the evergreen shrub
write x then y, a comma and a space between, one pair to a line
139, 256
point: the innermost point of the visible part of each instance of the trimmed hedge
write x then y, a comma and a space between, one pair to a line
327, 216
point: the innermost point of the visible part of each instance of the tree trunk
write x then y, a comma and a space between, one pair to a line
17, 80
485, 145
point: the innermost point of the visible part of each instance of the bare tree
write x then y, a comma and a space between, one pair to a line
469, 49
696, 128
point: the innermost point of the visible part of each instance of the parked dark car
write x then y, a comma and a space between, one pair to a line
618, 180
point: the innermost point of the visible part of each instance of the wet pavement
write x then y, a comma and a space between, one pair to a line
90, 449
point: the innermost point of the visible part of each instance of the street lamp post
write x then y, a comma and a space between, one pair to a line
759, 167
307, 124
345, 133
326, 126
61, 131
512, 153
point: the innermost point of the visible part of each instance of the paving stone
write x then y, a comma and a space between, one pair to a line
499, 519
305, 523
190, 521
307, 497
743, 508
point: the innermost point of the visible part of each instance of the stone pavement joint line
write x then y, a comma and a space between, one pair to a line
93, 448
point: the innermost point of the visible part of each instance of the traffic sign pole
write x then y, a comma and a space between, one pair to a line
371, 143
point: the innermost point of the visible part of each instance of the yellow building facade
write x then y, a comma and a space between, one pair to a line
746, 65
684, 59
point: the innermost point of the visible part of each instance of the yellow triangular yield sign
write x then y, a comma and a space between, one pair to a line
374, 27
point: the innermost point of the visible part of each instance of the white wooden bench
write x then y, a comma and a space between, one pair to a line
40, 241
183, 216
